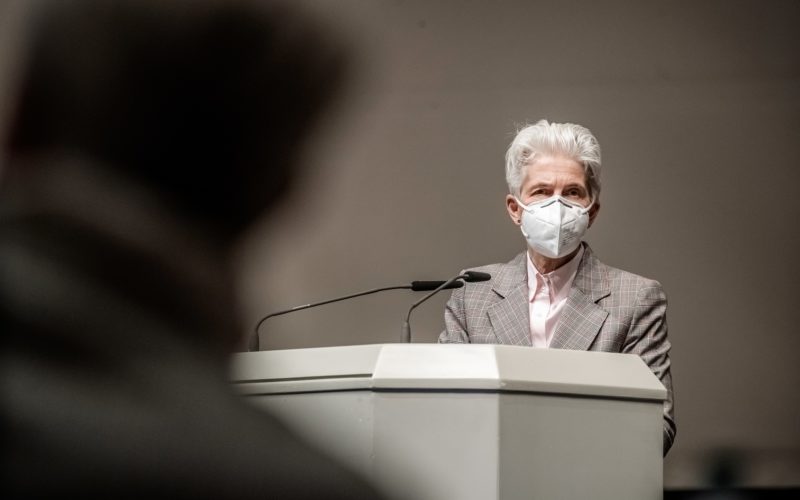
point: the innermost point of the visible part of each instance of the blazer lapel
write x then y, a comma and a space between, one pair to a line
510, 317
581, 318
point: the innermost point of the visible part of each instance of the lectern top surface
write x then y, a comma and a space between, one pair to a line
450, 367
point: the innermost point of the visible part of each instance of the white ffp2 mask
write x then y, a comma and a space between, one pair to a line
554, 227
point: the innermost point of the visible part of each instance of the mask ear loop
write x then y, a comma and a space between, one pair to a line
524, 209
583, 210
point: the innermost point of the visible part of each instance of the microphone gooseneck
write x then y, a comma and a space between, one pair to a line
417, 286
468, 276
425, 286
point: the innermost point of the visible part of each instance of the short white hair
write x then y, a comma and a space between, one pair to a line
545, 138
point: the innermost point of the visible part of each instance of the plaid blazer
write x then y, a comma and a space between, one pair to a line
607, 309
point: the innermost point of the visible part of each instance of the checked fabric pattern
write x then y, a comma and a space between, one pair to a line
607, 310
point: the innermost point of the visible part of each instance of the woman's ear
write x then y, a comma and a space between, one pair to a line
514, 209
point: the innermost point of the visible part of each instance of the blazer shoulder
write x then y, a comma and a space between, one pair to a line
647, 289
501, 269
617, 274
504, 276
492, 269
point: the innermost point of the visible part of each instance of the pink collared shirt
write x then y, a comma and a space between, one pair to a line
547, 294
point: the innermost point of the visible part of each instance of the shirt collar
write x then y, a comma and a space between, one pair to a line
560, 279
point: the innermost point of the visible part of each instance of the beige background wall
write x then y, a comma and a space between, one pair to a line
696, 106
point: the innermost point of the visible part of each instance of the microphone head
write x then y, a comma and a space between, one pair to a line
475, 276
426, 286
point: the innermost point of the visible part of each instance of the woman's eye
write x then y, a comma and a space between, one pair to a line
539, 194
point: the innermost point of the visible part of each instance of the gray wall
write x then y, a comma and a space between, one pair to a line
695, 105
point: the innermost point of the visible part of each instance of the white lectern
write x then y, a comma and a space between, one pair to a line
445, 422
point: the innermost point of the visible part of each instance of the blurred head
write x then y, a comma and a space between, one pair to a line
563, 140
205, 102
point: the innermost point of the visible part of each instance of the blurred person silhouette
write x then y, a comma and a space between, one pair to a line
146, 137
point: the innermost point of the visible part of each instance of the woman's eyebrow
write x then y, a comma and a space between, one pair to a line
541, 184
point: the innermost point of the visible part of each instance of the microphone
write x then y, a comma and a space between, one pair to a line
476, 276
468, 276
416, 286
425, 286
